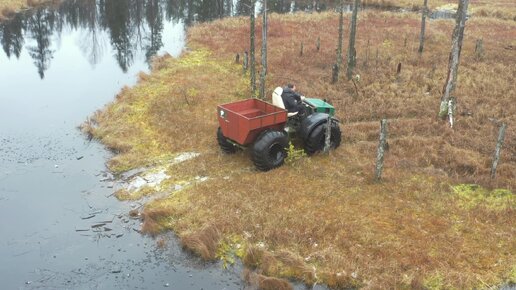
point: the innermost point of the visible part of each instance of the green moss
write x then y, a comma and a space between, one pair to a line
472, 195
512, 275
231, 247
434, 282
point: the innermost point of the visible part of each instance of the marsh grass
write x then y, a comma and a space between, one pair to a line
322, 219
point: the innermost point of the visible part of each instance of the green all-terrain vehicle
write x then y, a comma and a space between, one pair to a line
266, 128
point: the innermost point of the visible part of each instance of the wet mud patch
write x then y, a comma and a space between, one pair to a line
149, 183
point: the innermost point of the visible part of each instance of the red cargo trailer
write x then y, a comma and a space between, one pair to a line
256, 123
243, 121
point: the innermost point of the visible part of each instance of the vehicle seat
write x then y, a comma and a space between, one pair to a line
278, 101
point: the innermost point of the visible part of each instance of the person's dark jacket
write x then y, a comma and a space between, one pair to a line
291, 99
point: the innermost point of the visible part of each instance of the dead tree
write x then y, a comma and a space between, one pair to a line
352, 54
341, 34
381, 150
454, 60
263, 73
423, 27
499, 144
251, 51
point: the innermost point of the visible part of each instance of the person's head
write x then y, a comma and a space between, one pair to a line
292, 86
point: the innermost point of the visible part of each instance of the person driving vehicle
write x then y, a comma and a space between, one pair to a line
292, 100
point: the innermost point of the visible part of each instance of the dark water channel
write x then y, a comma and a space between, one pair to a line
60, 227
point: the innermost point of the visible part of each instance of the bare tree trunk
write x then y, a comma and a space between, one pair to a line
263, 73
381, 150
423, 27
251, 50
499, 144
352, 54
453, 66
341, 34
265, 27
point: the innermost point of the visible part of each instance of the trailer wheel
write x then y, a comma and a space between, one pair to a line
226, 146
315, 141
270, 150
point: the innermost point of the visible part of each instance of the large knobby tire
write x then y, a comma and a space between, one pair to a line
270, 150
315, 141
226, 146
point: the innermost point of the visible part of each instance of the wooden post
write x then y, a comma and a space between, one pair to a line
251, 49
327, 140
376, 60
334, 73
263, 73
237, 58
479, 49
245, 62
352, 54
381, 150
423, 27
454, 60
366, 61
499, 144
318, 44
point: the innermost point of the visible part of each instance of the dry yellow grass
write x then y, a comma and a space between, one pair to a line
502, 9
322, 219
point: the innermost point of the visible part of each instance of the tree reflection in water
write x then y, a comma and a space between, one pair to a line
130, 26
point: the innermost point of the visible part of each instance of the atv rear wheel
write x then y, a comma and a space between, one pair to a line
315, 141
270, 150
226, 146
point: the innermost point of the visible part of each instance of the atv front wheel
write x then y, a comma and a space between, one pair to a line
270, 150
315, 141
226, 146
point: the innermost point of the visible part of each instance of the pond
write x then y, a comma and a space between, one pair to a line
61, 227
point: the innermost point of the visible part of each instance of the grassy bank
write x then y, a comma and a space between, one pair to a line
322, 219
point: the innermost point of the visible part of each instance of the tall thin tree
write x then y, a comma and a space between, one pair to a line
352, 54
252, 50
423, 27
341, 34
263, 73
447, 100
